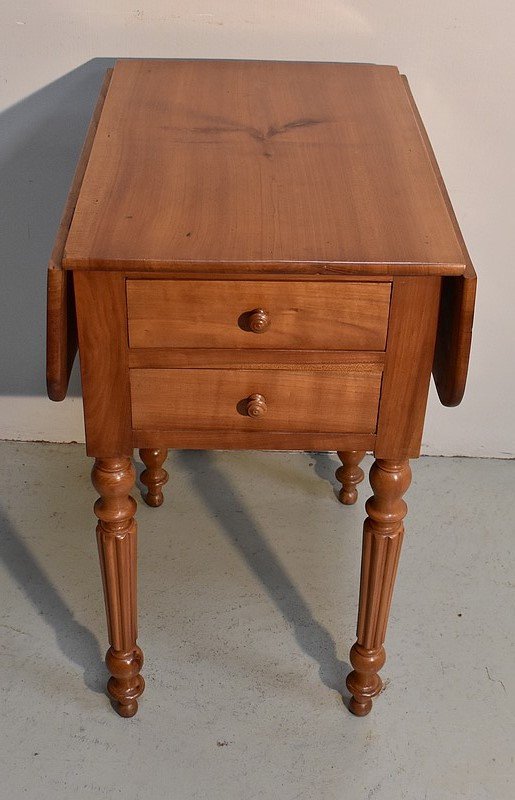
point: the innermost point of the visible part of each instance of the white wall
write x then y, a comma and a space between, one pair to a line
459, 57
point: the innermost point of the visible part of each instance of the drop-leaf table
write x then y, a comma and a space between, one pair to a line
257, 255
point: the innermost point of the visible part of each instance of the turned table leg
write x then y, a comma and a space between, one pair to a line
382, 538
349, 475
114, 478
154, 476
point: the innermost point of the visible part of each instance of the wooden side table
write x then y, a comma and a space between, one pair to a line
257, 255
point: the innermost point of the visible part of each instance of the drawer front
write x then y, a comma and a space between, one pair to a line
297, 315
343, 400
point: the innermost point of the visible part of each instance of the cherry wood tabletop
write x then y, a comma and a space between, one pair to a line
254, 166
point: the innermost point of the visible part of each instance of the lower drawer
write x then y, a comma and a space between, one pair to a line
341, 400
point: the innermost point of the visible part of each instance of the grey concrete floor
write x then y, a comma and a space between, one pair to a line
248, 592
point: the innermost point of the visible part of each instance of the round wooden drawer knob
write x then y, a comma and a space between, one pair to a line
256, 406
259, 320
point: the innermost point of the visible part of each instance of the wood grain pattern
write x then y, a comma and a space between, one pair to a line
247, 165
215, 358
407, 371
251, 440
241, 277
218, 314
383, 532
457, 303
102, 326
217, 400
61, 338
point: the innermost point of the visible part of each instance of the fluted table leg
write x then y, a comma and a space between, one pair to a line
114, 478
382, 538
154, 476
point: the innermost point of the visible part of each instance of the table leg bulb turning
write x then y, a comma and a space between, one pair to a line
382, 538
349, 475
154, 476
114, 478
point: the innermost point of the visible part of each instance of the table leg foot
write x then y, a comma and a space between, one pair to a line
363, 682
349, 475
382, 538
114, 478
125, 684
154, 476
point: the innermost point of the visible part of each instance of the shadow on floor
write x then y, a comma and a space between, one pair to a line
139, 487
325, 467
240, 528
81, 647
77, 643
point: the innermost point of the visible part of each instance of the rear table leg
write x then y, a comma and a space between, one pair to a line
154, 476
349, 475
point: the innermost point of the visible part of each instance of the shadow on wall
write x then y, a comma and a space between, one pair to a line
41, 139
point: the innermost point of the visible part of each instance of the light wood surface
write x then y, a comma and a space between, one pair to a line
217, 400
61, 337
296, 315
248, 165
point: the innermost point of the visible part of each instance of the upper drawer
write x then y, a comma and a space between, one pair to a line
301, 315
